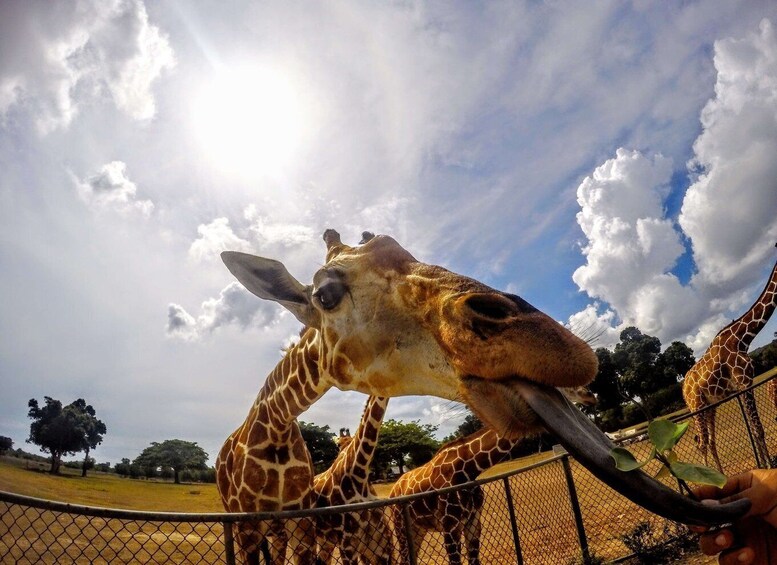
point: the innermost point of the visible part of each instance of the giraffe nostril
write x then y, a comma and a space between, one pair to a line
492, 306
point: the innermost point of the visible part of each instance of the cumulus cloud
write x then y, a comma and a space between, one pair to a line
598, 330
271, 234
730, 211
214, 238
57, 57
111, 189
234, 306
181, 324
631, 245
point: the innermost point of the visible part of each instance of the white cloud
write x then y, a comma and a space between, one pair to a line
270, 234
214, 238
111, 189
181, 324
631, 246
730, 211
234, 306
58, 57
598, 330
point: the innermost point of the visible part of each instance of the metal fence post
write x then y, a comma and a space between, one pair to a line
573, 501
513, 521
229, 544
409, 534
758, 462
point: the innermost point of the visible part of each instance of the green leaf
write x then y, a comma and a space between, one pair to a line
665, 434
625, 461
698, 474
663, 472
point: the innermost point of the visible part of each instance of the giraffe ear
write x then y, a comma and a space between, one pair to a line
269, 279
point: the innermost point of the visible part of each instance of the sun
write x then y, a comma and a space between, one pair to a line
249, 121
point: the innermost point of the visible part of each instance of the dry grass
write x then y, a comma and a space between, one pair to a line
106, 489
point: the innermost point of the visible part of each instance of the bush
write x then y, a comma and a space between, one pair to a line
668, 545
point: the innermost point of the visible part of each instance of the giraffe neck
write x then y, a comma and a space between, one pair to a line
362, 449
747, 326
293, 385
264, 464
478, 452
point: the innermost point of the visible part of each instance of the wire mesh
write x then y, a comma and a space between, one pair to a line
525, 516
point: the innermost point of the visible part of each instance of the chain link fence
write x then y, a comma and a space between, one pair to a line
554, 512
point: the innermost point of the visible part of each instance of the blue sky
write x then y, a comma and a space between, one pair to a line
611, 163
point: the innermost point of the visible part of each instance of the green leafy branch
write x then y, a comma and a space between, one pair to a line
664, 435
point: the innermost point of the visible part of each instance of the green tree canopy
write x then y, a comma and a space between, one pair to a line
765, 358
320, 443
635, 358
675, 361
176, 454
94, 430
400, 443
470, 425
56, 429
6, 444
605, 384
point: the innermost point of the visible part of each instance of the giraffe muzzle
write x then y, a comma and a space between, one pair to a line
591, 448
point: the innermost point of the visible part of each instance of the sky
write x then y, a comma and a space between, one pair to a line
613, 163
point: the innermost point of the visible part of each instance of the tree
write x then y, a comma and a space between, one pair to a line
765, 358
94, 430
123, 469
675, 361
400, 442
6, 444
55, 429
176, 454
605, 385
321, 445
470, 425
635, 358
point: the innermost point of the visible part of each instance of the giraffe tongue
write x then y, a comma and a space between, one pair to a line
592, 448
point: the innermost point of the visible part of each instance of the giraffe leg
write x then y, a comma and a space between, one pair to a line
472, 538
711, 439
300, 535
702, 437
757, 429
451, 533
398, 524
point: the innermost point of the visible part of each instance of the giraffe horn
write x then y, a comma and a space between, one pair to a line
591, 448
334, 245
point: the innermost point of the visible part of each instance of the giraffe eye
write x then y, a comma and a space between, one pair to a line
330, 294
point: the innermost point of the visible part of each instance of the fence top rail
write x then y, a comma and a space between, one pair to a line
229, 517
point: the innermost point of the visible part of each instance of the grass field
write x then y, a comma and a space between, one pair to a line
106, 489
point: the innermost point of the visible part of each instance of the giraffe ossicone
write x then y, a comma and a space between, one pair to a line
381, 322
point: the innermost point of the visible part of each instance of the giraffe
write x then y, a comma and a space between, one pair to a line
457, 513
381, 322
362, 534
725, 368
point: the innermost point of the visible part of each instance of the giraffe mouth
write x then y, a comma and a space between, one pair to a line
590, 447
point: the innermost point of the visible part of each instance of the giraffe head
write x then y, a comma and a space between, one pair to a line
344, 439
390, 325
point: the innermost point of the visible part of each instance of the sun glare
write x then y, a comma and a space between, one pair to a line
249, 122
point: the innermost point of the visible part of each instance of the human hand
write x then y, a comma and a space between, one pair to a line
753, 539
